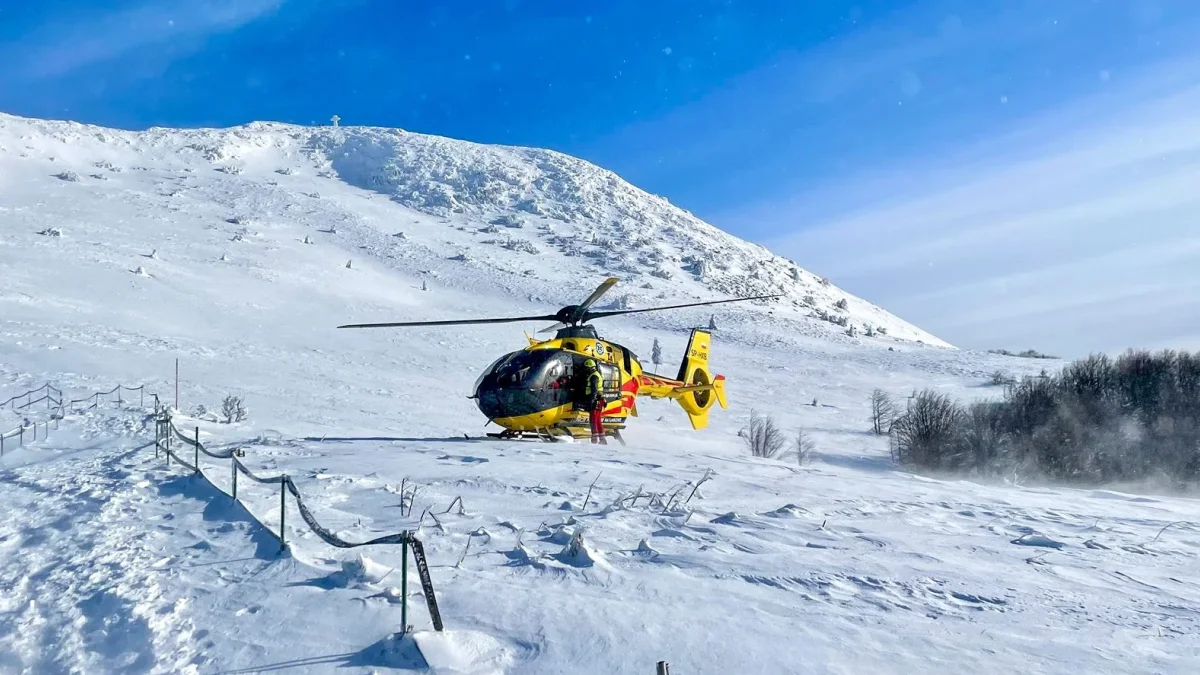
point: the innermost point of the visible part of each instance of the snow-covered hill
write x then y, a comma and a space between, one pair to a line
518, 211
238, 251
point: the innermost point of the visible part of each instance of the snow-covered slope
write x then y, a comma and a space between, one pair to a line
122, 252
521, 211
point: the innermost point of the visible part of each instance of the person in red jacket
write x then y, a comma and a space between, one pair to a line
593, 392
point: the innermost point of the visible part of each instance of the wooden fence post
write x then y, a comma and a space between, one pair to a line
197, 460
664, 668
233, 464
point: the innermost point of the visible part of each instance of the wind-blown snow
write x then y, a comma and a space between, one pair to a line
113, 562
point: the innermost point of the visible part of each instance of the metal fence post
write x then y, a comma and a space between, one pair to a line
664, 668
233, 464
404, 587
21, 441
282, 512
197, 450
142, 396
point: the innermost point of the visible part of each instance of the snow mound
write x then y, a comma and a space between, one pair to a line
731, 518
789, 511
578, 553
461, 652
1038, 540
522, 556
645, 549
358, 573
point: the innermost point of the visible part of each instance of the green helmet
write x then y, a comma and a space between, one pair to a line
590, 363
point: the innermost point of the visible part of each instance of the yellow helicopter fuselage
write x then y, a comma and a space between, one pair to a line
537, 390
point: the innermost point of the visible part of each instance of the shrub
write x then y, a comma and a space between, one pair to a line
926, 435
233, 409
1001, 378
1099, 420
762, 436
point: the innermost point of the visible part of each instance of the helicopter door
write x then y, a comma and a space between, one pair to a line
612, 380
609, 374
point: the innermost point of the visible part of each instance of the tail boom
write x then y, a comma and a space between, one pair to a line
695, 389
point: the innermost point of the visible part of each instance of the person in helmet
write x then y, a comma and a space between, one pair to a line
593, 393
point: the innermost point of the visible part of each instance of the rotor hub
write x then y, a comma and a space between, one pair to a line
584, 331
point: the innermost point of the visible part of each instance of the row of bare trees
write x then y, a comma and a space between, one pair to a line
1099, 420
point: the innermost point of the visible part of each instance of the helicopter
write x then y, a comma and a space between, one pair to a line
536, 391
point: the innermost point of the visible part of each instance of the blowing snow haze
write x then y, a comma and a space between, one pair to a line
917, 183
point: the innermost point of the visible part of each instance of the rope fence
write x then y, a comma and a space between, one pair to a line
27, 427
28, 396
166, 432
166, 436
58, 407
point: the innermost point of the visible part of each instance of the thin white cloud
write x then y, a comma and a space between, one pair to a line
1080, 233
61, 47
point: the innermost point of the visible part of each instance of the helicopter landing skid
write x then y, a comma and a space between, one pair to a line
540, 434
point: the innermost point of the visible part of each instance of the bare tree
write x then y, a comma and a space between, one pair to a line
762, 436
883, 412
804, 447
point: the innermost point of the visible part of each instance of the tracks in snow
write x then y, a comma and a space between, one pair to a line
86, 594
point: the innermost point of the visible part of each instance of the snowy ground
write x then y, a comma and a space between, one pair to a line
117, 563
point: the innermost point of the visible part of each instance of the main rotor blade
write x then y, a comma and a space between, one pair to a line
596, 315
451, 322
600, 290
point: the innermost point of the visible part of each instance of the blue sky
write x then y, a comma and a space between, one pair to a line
949, 160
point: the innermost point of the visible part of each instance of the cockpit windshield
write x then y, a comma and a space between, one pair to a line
490, 369
528, 370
